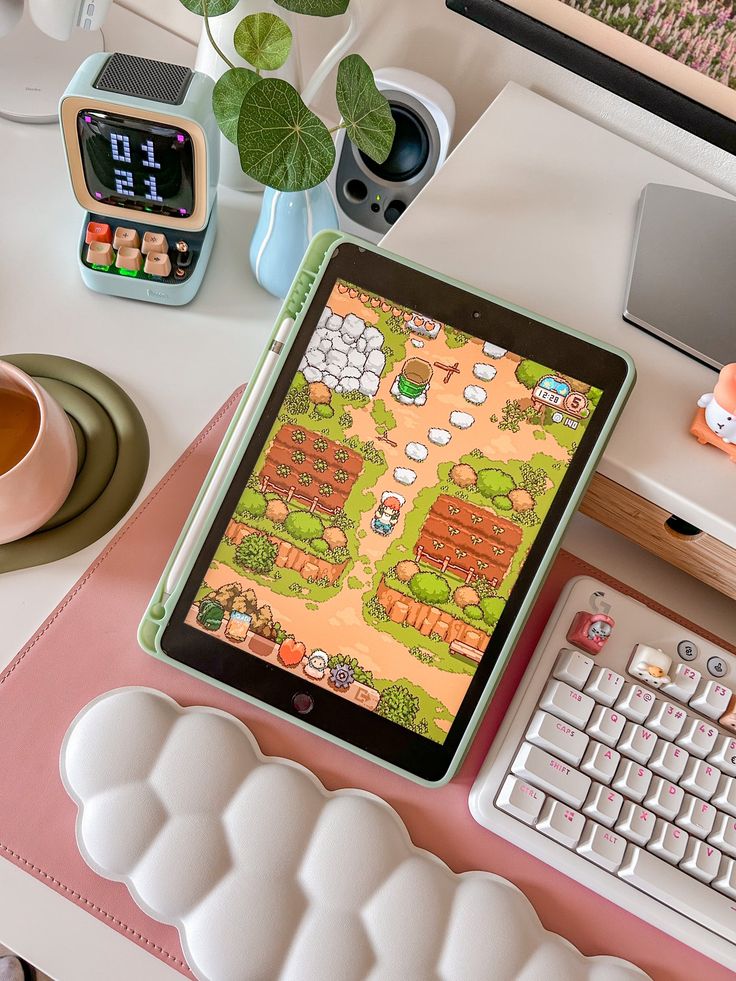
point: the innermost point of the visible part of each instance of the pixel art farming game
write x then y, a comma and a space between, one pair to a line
396, 497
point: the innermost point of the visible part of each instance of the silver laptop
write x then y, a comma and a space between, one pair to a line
682, 282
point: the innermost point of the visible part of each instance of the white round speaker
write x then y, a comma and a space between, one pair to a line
371, 197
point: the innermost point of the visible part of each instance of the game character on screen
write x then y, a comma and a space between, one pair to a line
387, 514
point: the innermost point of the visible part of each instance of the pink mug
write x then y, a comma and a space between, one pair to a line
38, 455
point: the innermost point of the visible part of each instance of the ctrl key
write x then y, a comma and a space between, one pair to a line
520, 799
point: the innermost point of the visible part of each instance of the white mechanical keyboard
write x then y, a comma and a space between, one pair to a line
616, 764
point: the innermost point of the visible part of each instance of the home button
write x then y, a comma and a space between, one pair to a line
303, 703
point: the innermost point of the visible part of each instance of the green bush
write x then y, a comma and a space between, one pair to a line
502, 503
324, 411
492, 482
398, 704
252, 502
256, 552
429, 588
303, 526
320, 546
529, 373
492, 607
473, 612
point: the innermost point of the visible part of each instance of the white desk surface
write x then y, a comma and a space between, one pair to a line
538, 206
156, 353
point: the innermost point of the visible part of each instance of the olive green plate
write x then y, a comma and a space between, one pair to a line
113, 460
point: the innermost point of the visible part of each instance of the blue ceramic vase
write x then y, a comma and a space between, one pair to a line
288, 222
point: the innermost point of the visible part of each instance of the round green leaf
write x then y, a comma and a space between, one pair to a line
365, 111
281, 142
263, 40
213, 7
227, 98
315, 8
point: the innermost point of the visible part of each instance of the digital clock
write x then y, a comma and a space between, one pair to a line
142, 148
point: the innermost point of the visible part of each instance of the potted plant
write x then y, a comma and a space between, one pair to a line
280, 141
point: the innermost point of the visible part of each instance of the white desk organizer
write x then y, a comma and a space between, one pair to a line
268, 875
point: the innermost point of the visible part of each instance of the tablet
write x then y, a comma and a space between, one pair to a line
395, 509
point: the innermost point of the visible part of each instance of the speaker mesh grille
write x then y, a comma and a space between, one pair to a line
143, 78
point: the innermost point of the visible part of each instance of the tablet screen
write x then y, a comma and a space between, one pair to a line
383, 529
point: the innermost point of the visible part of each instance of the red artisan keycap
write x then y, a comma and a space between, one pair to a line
97, 231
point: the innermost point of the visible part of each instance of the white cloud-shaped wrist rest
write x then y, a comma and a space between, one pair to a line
267, 875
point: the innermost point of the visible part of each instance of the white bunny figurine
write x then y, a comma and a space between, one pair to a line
720, 405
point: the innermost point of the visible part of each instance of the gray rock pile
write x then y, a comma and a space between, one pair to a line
345, 353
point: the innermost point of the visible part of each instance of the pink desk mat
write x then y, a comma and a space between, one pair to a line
88, 646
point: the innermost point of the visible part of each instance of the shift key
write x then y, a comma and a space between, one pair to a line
551, 775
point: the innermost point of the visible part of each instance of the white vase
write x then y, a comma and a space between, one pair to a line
209, 62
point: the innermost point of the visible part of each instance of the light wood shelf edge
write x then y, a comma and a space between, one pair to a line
637, 519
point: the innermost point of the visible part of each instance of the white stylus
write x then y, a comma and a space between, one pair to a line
201, 518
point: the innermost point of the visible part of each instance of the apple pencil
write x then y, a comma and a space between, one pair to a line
200, 519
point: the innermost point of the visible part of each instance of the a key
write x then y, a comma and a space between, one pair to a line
724, 833
519, 798
602, 846
635, 703
668, 842
129, 258
725, 881
604, 686
698, 738
558, 737
632, 780
684, 683
567, 703
551, 775
126, 237
100, 254
154, 242
635, 823
701, 860
606, 725
700, 778
667, 720
603, 804
98, 231
651, 665
711, 699
725, 796
637, 742
158, 264
600, 762
561, 822
664, 798
696, 816
724, 755
572, 667
669, 760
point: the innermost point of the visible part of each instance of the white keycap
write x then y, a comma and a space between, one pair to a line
725, 796
669, 760
606, 725
696, 816
603, 804
711, 699
664, 798
551, 775
572, 667
567, 703
561, 822
602, 846
701, 860
637, 742
635, 823
600, 762
604, 686
698, 738
684, 683
724, 833
632, 780
725, 881
724, 755
521, 799
667, 719
668, 842
558, 737
700, 778
635, 703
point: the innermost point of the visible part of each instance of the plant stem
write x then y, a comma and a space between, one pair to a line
212, 40
336, 128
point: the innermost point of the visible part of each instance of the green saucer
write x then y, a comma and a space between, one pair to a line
112, 443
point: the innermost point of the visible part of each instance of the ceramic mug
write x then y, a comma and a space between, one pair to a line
38, 455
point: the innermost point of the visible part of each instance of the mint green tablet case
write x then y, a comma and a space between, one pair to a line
295, 306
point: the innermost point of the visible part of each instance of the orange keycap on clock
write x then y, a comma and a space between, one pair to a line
97, 231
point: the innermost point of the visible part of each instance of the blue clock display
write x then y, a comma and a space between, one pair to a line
137, 164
